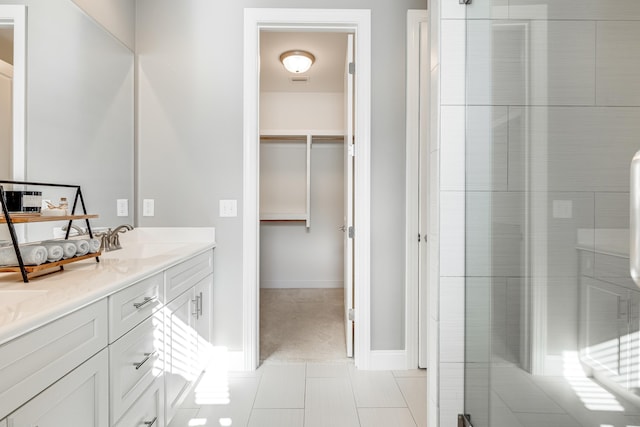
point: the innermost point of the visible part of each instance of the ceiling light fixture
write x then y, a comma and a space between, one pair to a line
297, 61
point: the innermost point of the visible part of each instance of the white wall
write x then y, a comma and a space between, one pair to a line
190, 121
6, 46
302, 111
116, 16
292, 256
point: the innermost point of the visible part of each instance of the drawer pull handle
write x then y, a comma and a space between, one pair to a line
144, 302
152, 422
146, 358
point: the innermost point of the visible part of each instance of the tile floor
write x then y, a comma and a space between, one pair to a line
519, 399
305, 378
306, 394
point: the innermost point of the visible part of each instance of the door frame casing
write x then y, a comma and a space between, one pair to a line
357, 21
412, 263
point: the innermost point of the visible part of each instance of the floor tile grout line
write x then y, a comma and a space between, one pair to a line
353, 396
413, 417
304, 400
255, 396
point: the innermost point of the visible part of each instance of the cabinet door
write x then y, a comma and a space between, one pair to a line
606, 319
631, 344
204, 294
81, 398
181, 349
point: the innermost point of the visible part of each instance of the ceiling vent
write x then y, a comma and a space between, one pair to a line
299, 80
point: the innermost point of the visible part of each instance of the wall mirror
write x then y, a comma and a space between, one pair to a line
72, 112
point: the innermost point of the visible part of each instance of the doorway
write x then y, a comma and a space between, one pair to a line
351, 21
303, 208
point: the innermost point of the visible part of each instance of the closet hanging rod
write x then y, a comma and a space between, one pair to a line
302, 138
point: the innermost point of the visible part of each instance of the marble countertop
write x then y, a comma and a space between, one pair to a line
146, 251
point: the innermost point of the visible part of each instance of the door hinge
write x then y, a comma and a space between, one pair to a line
464, 1
351, 314
351, 232
352, 151
419, 240
352, 68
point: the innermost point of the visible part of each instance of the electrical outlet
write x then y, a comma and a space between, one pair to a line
228, 208
122, 207
148, 208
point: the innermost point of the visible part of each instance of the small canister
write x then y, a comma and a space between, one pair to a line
23, 201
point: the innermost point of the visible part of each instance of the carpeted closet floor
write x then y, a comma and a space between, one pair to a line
302, 325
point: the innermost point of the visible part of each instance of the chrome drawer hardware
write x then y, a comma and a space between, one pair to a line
144, 302
147, 357
152, 422
197, 311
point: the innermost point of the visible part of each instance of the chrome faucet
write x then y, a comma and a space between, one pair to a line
110, 239
114, 239
75, 227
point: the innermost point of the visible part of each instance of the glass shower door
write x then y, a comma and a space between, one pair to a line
552, 112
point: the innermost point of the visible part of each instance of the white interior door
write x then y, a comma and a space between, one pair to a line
348, 198
423, 186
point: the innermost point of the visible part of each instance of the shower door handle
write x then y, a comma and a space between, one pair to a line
634, 220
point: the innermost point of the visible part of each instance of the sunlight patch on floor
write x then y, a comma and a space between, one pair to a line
593, 396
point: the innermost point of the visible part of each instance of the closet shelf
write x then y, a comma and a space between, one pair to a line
284, 216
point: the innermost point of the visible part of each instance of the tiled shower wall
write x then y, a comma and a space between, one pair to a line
551, 104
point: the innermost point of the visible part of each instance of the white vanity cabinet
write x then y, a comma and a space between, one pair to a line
127, 359
609, 320
187, 323
78, 399
36, 360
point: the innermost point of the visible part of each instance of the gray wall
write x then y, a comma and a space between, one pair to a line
79, 113
190, 140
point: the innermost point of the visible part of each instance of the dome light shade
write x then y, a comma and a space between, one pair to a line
297, 61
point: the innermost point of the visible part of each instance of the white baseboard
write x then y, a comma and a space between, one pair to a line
387, 360
228, 360
301, 284
553, 365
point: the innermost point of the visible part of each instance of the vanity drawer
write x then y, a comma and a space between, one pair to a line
135, 363
185, 275
132, 305
147, 410
34, 361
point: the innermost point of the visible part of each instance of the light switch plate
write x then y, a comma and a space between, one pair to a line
122, 207
148, 208
228, 208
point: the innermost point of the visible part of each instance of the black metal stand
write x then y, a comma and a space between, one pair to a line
10, 223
